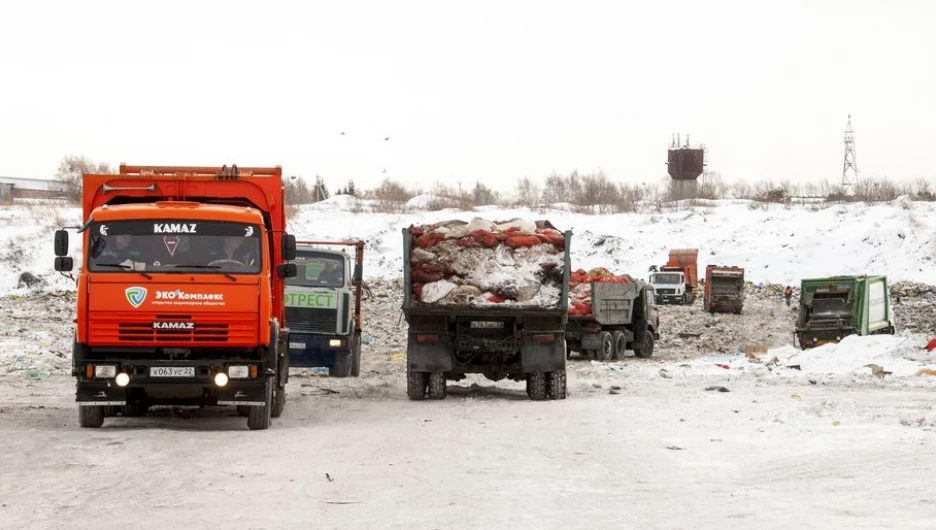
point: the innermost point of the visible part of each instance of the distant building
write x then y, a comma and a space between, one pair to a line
19, 188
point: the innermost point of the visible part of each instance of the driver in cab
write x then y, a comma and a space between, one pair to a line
232, 249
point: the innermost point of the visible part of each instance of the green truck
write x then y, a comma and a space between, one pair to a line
835, 307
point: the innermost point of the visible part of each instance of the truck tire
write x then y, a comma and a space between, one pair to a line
537, 386
686, 298
342, 366
620, 345
133, 409
604, 352
416, 384
91, 416
260, 417
556, 385
644, 348
356, 357
279, 401
437, 388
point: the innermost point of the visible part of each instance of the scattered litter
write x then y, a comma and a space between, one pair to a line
725, 366
794, 367
368, 339
329, 477
877, 371
674, 448
665, 374
926, 371
796, 396
716, 388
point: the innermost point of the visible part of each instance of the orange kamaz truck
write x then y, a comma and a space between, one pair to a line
181, 291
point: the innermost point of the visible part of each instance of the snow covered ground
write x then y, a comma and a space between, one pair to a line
799, 439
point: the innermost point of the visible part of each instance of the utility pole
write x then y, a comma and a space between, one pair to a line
850, 165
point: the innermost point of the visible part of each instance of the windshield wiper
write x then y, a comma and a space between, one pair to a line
212, 267
124, 267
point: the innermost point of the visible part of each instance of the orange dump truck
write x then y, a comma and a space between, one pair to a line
724, 289
676, 281
180, 291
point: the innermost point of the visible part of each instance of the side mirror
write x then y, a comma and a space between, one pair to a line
61, 243
358, 274
287, 270
64, 264
289, 247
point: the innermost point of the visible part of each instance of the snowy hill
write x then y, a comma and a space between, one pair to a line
775, 243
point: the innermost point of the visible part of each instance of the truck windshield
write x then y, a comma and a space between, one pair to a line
666, 278
317, 269
203, 247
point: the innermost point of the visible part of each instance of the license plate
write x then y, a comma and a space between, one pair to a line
299, 345
172, 371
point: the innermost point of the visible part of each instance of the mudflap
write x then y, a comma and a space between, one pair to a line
428, 356
100, 393
542, 356
251, 394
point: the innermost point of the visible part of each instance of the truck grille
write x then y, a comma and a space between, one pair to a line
312, 320
174, 330
666, 291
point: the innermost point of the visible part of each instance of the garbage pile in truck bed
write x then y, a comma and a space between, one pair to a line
580, 292
483, 263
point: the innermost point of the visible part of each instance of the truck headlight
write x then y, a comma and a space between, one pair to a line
238, 372
105, 371
122, 379
221, 379
335, 343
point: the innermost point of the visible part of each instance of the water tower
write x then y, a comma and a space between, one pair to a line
686, 165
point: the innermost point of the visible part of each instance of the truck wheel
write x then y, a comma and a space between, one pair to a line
133, 409
620, 345
279, 401
356, 357
416, 384
556, 385
91, 416
537, 386
685, 299
259, 418
342, 366
437, 388
606, 349
644, 349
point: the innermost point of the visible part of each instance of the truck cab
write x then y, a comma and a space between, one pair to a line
323, 309
669, 287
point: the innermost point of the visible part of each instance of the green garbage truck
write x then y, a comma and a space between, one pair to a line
835, 307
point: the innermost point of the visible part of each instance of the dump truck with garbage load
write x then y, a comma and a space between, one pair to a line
610, 314
724, 289
486, 298
676, 281
180, 291
835, 307
323, 307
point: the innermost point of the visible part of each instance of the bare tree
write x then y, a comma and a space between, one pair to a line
70, 172
528, 193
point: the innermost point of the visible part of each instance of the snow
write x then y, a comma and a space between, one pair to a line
800, 436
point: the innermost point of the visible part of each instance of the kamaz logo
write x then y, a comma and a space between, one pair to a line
173, 325
174, 228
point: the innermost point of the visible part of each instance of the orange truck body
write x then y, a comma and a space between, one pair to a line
724, 289
170, 324
684, 260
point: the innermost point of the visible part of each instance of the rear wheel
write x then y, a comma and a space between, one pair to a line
279, 400
437, 388
606, 347
556, 385
644, 348
620, 345
260, 417
342, 366
356, 357
537, 386
416, 384
91, 416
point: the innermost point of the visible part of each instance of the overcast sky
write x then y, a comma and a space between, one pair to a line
467, 91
